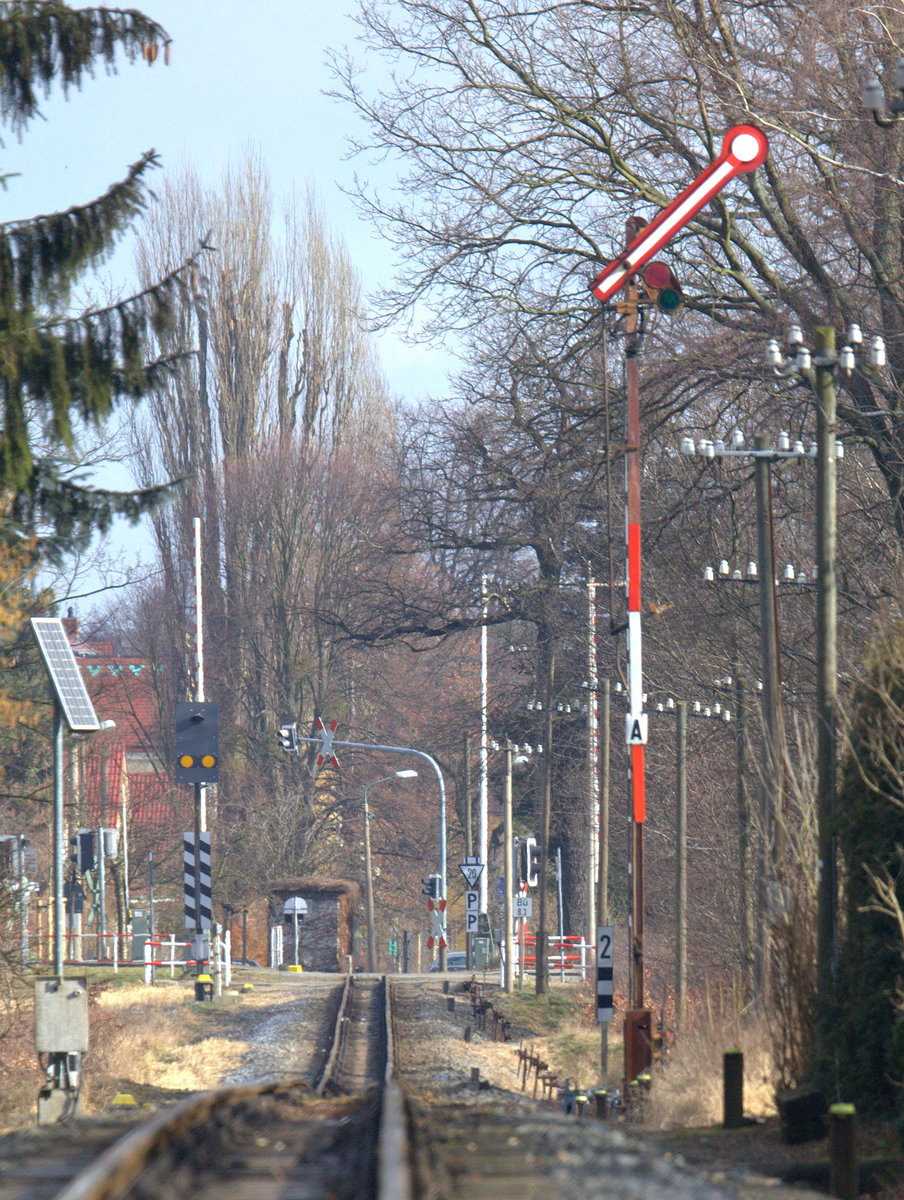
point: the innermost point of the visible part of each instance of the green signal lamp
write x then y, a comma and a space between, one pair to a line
662, 288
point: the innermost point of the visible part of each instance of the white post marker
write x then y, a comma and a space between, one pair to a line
744, 149
605, 961
472, 911
523, 906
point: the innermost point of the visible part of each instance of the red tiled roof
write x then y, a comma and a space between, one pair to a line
154, 804
104, 782
124, 690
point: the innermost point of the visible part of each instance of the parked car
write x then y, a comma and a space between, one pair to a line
456, 960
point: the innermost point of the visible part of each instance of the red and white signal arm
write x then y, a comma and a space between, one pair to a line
327, 733
744, 149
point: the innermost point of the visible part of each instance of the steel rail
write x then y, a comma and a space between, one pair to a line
394, 1180
338, 1034
116, 1170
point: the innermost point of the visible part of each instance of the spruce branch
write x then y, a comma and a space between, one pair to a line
45, 40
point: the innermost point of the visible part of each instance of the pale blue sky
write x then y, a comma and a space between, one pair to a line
240, 72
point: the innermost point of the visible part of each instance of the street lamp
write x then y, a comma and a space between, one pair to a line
874, 97
406, 773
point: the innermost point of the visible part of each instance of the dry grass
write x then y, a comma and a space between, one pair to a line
167, 995
687, 1089
152, 1039
154, 1043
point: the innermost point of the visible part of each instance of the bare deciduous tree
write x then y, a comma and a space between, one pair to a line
527, 133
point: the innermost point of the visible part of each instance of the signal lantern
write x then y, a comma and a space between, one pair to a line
661, 287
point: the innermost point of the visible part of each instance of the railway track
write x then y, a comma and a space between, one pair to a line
275, 1139
367, 1123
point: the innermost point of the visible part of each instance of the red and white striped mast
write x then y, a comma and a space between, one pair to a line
744, 149
636, 727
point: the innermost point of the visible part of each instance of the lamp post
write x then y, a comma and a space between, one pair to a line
291, 746
408, 773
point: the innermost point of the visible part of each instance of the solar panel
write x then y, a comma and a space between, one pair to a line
65, 676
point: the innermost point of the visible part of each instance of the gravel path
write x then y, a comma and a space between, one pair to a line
289, 1036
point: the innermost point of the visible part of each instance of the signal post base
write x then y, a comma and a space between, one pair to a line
638, 1030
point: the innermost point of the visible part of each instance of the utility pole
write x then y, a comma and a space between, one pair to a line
469, 851
603, 896
483, 843
826, 658
369, 892
200, 788
681, 862
593, 815
743, 806
542, 967
508, 872
771, 815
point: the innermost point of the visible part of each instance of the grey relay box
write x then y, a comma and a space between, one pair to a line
61, 1016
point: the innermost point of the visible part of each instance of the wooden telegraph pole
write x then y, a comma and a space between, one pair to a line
827, 667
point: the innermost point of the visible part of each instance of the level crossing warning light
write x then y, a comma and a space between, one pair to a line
288, 738
431, 886
197, 742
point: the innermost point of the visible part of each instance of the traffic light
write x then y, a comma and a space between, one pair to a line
197, 742
288, 738
662, 287
84, 850
431, 887
531, 862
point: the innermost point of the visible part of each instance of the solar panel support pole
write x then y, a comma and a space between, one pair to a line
58, 840
200, 788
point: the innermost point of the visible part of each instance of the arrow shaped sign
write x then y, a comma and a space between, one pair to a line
744, 149
326, 737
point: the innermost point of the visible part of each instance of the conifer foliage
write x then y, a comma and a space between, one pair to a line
60, 371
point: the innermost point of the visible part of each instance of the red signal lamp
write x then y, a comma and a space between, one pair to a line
661, 287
